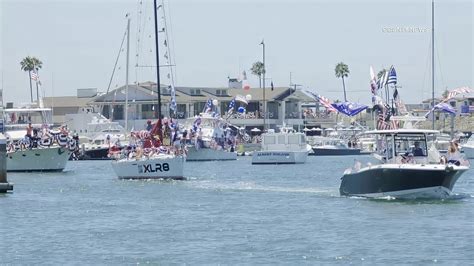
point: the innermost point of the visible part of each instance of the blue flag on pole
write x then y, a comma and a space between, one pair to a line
445, 108
348, 108
392, 76
231, 105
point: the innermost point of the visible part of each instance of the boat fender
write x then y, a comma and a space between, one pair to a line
62, 140
72, 145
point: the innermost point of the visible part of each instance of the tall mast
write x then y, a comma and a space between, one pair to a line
155, 7
126, 73
263, 84
432, 64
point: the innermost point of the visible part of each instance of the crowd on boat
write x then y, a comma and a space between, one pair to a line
42, 137
175, 139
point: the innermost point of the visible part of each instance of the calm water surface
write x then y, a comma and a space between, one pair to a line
227, 213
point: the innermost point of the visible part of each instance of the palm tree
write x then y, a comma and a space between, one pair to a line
342, 71
381, 72
29, 64
445, 94
258, 69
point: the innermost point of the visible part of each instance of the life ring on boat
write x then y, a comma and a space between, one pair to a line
246, 137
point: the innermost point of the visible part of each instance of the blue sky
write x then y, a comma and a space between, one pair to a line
78, 42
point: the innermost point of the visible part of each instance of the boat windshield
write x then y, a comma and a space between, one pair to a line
411, 144
21, 117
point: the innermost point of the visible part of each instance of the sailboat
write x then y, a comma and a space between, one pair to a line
159, 162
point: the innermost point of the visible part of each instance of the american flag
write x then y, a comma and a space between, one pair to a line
34, 76
326, 103
457, 91
384, 121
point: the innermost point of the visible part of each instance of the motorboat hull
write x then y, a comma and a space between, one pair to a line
94, 154
335, 152
41, 159
279, 157
166, 167
402, 181
206, 154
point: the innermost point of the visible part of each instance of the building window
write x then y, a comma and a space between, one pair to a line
118, 112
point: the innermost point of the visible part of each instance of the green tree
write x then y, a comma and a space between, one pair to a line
342, 71
380, 74
258, 69
445, 94
29, 64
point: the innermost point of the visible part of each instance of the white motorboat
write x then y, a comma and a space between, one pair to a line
22, 155
213, 141
96, 134
161, 166
407, 169
468, 147
284, 147
327, 146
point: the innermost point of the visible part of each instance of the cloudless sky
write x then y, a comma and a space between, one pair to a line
78, 42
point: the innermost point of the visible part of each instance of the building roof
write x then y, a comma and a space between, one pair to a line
66, 101
146, 92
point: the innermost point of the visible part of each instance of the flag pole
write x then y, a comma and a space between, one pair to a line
263, 84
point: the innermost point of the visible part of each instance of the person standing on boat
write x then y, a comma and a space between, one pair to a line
148, 126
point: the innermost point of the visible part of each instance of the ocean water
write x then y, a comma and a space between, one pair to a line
227, 213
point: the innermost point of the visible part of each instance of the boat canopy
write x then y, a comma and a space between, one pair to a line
26, 110
402, 131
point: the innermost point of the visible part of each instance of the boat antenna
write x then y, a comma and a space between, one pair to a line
157, 70
432, 64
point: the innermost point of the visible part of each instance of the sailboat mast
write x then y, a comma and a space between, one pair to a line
126, 73
432, 63
157, 67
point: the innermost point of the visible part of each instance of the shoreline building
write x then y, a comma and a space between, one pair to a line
284, 105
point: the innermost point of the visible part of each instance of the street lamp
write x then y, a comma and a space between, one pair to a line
263, 83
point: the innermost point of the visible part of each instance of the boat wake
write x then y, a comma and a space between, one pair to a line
252, 186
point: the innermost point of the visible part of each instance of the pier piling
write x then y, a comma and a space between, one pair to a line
4, 185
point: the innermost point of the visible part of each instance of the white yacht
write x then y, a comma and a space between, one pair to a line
47, 153
284, 147
407, 169
468, 147
96, 134
213, 139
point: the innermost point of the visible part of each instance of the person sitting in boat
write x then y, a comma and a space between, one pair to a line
64, 131
454, 156
417, 151
148, 126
